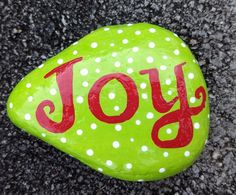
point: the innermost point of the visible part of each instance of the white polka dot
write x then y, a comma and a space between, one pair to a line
112, 44
162, 170
190, 75
132, 139
165, 57
116, 108
27, 116
11, 105
143, 85
163, 67
129, 166
208, 116
169, 92
93, 126
114, 54
183, 44
186, 153
152, 30
79, 132
97, 70
138, 122
111, 95
125, 41
117, 64
84, 71
30, 98
90, 152
106, 29
194, 61
118, 127
94, 44
100, 169
28, 85
109, 163
144, 148
138, 32
175, 34
63, 140
168, 131
167, 38
140, 180
60, 61
165, 154
151, 45
116, 144
192, 99
150, 59
41, 66
98, 60
150, 115
75, 52
168, 81
80, 99
130, 70
43, 134
85, 84
196, 125
120, 31
176, 52
144, 96
75, 43
53, 91
129, 24
135, 49
130, 60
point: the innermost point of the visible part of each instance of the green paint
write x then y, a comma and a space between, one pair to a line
120, 48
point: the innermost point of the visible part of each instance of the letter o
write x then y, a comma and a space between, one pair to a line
132, 98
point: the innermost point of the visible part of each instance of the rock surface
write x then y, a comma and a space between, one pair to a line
128, 100
32, 31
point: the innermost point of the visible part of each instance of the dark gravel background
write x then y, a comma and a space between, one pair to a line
32, 31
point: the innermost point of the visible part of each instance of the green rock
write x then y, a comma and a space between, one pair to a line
129, 101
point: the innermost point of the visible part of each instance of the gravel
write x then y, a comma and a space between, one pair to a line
32, 31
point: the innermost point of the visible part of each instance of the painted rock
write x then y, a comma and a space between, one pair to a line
129, 101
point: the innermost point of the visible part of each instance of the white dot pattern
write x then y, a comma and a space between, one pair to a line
60, 61
90, 152
116, 144
150, 115
129, 166
144, 148
187, 153
196, 125
93, 126
109, 163
84, 71
162, 170
63, 140
118, 127
94, 44
79, 132
27, 116
150, 59
53, 91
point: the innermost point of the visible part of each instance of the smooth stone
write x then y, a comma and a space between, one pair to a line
130, 101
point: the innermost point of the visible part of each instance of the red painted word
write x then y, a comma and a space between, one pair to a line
64, 77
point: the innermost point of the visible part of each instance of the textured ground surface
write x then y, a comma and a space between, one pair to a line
32, 31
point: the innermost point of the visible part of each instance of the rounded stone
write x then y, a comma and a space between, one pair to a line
133, 95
